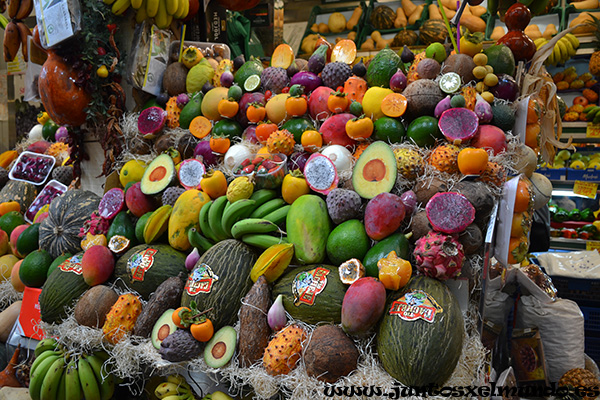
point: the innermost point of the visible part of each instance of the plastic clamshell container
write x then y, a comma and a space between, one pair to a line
175, 45
52, 190
267, 180
21, 169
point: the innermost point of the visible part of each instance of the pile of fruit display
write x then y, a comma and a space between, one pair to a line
283, 226
577, 160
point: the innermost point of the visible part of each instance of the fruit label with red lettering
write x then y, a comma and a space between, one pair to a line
139, 263
72, 264
416, 305
201, 280
307, 285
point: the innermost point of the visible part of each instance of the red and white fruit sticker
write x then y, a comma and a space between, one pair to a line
307, 285
72, 264
139, 263
416, 305
201, 280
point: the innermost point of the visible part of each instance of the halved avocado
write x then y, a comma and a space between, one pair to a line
159, 175
219, 350
375, 171
163, 327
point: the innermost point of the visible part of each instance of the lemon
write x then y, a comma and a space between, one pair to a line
6, 264
372, 102
132, 171
578, 164
240, 188
594, 164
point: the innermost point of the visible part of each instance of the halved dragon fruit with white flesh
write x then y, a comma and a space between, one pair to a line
450, 212
112, 203
190, 173
320, 173
439, 256
151, 121
458, 125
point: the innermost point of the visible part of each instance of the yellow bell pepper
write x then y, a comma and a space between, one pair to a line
394, 272
597, 225
43, 117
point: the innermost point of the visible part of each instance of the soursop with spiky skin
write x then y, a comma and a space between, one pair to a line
274, 79
335, 74
171, 195
343, 204
63, 174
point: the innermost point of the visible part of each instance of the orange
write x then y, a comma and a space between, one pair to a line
532, 133
311, 140
523, 197
472, 161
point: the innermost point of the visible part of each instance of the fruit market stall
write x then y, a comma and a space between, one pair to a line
294, 229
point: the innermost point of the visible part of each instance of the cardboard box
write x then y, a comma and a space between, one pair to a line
528, 360
29, 318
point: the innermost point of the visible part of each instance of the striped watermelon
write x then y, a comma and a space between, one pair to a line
420, 337
220, 279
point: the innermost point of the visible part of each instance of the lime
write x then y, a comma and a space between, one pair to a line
235, 92
355, 108
10, 221
348, 240
389, 130
450, 82
458, 101
252, 83
424, 131
34, 268
297, 126
437, 51
227, 128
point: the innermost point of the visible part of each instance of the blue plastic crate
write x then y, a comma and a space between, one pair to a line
586, 292
588, 175
592, 318
592, 347
554, 174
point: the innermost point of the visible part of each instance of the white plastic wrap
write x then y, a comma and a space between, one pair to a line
575, 264
561, 327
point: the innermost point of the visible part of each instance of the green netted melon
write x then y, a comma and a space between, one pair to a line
312, 293
59, 233
220, 280
144, 267
62, 289
433, 30
420, 336
383, 18
22, 192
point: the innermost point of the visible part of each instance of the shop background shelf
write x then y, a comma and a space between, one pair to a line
321, 15
586, 292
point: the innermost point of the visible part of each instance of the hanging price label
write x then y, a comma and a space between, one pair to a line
587, 189
592, 245
592, 131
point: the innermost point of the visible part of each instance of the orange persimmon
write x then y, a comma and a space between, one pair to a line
219, 144
200, 127
263, 131
394, 105
311, 140
523, 197
228, 108
472, 161
202, 331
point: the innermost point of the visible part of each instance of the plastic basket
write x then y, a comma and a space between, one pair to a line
592, 347
586, 292
592, 318
321, 14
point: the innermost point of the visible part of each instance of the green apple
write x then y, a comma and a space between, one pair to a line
576, 156
563, 155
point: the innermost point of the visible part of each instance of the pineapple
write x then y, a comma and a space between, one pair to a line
445, 158
281, 142
409, 163
594, 65
579, 377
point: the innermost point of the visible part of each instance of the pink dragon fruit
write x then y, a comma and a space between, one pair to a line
439, 256
151, 121
450, 212
458, 125
96, 225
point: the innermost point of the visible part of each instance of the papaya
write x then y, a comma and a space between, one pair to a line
396, 242
184, 217
308, 235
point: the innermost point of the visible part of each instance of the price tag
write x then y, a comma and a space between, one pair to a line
587, 189
592, 131
592, 245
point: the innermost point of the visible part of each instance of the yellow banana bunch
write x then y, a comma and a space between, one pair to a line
564, 49
163, 11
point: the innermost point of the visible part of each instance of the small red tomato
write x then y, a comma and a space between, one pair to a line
285, 90
268, 95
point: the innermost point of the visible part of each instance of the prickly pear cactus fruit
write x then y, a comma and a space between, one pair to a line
173, 112
445, 158
284, 350
281, 142
121, 318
